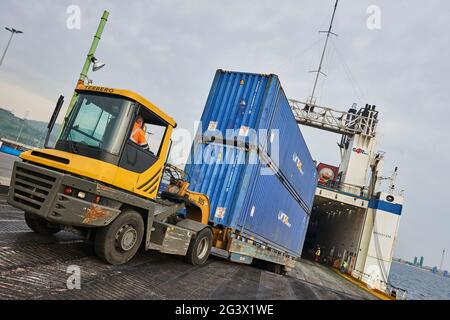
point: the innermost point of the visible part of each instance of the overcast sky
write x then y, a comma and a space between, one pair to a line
168, 51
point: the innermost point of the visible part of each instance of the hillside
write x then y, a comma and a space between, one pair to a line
33, 132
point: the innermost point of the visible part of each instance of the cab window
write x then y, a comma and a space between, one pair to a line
154, 134
98, 122
141, 153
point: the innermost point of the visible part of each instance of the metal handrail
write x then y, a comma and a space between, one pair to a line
334, 120
347, 188
388, 288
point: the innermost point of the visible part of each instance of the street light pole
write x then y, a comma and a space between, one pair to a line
13, 32
21, 127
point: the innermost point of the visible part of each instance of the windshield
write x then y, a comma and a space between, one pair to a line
99, 121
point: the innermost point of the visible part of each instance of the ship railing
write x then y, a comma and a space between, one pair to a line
346, 188
386, 287
364, 122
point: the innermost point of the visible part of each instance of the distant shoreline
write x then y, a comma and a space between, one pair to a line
411, 265
441, 273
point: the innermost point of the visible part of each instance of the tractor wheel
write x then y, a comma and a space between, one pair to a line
199, 248
39, 225
118, 242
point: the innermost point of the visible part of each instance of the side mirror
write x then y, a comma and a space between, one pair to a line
52, 122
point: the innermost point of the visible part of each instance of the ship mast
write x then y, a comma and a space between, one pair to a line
319, 70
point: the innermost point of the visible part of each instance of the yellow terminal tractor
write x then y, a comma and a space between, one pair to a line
97, 181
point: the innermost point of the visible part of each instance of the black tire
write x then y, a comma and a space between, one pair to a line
118, 242
39, 225
199, 248
275, 268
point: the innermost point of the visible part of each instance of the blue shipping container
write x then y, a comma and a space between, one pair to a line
293, 160
274, 207
237, 103
253, 108
250, 198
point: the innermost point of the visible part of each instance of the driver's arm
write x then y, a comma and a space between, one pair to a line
143, 140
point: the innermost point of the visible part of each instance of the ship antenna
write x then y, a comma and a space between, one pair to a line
319, 70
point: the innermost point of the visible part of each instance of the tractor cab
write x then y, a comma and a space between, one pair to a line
99, 182
95, 140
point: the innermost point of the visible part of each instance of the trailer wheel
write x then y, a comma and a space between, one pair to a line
118, 242
199, 248
39, 225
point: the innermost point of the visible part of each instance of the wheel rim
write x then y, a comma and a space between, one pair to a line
202, 248
126, 238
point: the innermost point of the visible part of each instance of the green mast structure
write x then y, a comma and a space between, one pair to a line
89, 57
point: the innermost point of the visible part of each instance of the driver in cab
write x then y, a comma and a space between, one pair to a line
138, 133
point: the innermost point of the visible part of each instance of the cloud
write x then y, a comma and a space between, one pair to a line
21, 101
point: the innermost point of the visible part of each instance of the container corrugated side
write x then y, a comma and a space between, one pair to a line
237, 103
235, 187
293, 158
260, 206
245, 100
217, 170
272, 215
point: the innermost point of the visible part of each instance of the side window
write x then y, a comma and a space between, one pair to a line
155, 135
143, 147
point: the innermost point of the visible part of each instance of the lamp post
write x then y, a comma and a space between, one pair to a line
21, 127
13, 32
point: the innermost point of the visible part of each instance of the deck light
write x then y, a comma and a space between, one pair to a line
96, 64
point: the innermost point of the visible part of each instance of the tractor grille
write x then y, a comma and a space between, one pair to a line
31, 187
